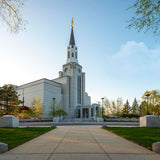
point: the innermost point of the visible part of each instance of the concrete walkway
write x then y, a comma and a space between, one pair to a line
79, 143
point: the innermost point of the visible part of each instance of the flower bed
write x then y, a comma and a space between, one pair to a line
36, 120
121, 120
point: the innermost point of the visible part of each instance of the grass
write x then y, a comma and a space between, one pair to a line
16, 136
141, 135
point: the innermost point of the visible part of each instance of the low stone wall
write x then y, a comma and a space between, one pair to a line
150, 121
9, 121
156, 147
3, 147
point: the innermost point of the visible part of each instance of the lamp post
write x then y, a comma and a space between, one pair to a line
102, 106
147, 95
10, 101
23, 97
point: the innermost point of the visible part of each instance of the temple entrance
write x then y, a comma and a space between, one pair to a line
85, 112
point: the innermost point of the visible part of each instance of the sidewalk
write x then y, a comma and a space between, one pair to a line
79, 143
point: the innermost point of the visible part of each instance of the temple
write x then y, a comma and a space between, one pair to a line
66, 92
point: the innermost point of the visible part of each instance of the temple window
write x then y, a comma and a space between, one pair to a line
68, 54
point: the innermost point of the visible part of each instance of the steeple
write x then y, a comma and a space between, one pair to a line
72, 55
72, 41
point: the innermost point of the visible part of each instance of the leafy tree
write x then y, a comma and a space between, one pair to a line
126, 109
107, 106
113, 107
135, 108
59, 111
36, 108
147, 16
154, 101
119, 105
8, 99
157, 109
143, 108
10, 13
52, 107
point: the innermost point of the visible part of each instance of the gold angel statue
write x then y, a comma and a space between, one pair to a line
72, 23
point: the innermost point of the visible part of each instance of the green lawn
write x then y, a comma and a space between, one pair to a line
16, 136
140, 135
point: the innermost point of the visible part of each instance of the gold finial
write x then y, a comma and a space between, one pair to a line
72, 23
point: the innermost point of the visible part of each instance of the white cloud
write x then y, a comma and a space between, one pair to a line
135, 57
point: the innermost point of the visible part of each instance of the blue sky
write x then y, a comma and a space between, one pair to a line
118, 62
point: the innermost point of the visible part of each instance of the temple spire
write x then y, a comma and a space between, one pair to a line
72, 23
72, 51
72, 41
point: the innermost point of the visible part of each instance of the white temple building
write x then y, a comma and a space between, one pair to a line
68, 89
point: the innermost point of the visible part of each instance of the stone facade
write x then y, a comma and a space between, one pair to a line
68, 89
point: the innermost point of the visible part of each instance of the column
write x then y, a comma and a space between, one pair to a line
94, 112
99, 108
89, 112
81, 112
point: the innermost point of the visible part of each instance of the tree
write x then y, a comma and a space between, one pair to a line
36, 108
8, 99
126, 109
107, 106
52, 107
154, 101
10, 13
143, 108
59, 111
147, 16
157, 109
119, 105
113, 107
135, 107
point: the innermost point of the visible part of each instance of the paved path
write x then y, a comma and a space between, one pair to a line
79, 143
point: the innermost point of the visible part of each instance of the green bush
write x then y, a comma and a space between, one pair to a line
130, 115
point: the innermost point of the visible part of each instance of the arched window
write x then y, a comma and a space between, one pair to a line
79, 70
68, 54
66, 70
72, 54
76, 55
